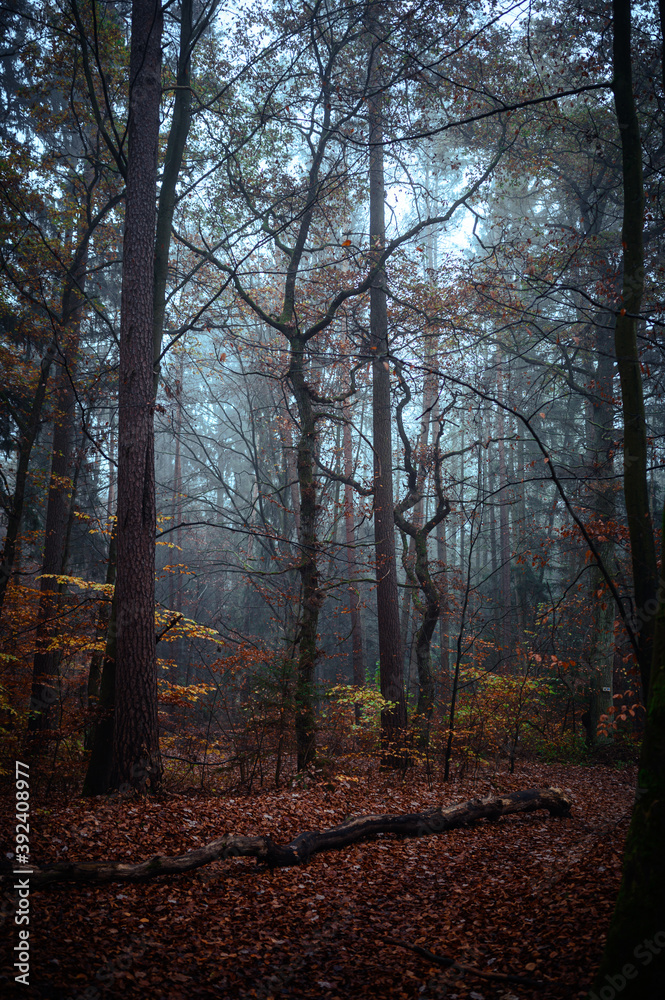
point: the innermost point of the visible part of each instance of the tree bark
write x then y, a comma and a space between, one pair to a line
637, 930
504, 529
635, 484
350, 538
311, 597
305, 845
393, 719
602, 502
175, 150
427, 602
100, 767
639, 914
136, 758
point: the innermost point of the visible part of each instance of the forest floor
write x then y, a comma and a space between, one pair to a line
529, 895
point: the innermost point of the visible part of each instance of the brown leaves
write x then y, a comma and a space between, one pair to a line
525, 896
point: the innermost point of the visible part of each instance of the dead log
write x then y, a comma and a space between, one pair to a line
305, 845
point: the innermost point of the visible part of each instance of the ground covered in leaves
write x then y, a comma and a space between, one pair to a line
528, 895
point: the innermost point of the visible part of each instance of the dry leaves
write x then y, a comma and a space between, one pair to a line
528, 896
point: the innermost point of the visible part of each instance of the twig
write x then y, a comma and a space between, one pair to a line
450, 963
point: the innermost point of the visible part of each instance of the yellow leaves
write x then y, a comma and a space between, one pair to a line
174, 694
183, 628
77, 581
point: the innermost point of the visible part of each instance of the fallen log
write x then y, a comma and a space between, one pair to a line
304, 846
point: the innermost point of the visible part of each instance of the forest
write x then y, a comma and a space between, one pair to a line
332, 499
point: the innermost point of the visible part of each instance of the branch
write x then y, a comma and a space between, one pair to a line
305, 845
502, 110
569, 507
450, 963
167, 628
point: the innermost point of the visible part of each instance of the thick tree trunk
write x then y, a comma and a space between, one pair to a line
100, 766
175, 150
636, 936
393, 720
305, 845
635, 483
136, 759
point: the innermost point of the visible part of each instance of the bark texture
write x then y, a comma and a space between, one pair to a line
175, 150
312, 596
635, 484
639, 915
350, 538
136, 759
306, 845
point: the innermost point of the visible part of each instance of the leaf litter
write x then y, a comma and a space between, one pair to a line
527, 896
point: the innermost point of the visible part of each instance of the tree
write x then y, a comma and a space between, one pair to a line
391, 658
418, 531
639, 914
136, 757
635, 454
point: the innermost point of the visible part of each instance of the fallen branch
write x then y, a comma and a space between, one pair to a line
305, 845
450, 963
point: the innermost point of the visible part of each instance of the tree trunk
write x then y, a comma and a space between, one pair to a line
136, 758
175, 586
58, 508
504, 528
635, 483
423, 639
636, 936
393, 719
175, 150
354, 595
99, 767
28, 435
311, 595
601, 602
98, 707
444, 610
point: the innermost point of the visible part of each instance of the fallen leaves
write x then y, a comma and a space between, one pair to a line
501, 897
